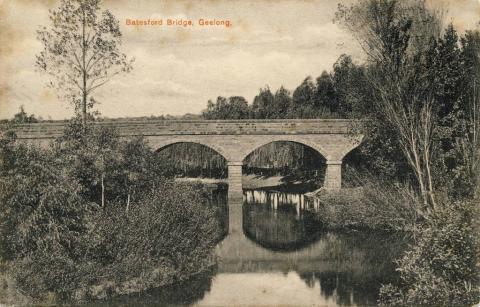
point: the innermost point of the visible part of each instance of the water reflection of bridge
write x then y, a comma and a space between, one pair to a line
266, 222
280, 221
343, 269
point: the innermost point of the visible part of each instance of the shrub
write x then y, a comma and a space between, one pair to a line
39, 204
171, 228
441, 267
43, 221
166, 238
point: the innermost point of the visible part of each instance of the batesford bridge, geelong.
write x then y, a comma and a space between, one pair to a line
233, 139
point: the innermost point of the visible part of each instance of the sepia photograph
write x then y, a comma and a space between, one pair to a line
239, 153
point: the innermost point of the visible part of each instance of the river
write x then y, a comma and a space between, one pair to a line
282, 256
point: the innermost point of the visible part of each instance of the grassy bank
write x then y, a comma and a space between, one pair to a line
370, 207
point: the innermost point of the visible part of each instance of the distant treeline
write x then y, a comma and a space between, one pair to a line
331, 95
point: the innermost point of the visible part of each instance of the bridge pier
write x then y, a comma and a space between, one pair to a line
235, 191
333, 175
235, 196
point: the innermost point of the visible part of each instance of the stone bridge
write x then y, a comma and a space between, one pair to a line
233, 139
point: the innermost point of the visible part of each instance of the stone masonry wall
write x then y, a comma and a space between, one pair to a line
197, 127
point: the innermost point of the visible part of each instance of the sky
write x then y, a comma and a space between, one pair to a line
178, 69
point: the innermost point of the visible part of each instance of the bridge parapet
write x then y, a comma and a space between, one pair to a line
45, 130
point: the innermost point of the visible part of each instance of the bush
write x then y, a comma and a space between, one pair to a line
43, 223
172, 226
166, 238
440, 269
39, 206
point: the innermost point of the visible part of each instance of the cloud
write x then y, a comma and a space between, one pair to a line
176, 69
322, 35
167, 88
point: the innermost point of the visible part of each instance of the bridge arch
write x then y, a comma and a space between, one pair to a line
266, 156
238, 152
160, 144
307, 143
158, 149
192, 159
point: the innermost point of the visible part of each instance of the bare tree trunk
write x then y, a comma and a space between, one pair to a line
426, 120
418, 170
415, 130
128, 202
103, 190
84, 73
475, 143
431, 192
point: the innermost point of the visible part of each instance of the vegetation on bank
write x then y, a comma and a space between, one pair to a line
93, 216
371, 207
441, 267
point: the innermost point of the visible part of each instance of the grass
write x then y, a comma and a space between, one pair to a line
372, 206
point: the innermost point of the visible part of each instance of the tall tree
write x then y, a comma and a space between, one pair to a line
447, 70
282, 101
396, 36
351, 88
235, 107
81, 51
262, 106
303, 99
470, 142
325, 96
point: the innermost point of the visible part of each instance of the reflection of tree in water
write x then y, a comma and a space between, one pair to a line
217, 199
364, 263
183, 293
344, 287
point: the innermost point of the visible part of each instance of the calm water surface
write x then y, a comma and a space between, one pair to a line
282, 256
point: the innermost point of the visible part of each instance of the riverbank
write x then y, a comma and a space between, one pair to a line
258, 182
106, 290
123, 253
111, 289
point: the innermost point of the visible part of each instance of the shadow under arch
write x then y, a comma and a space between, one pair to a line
162, 146
197, 159
288, 157
293, 140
